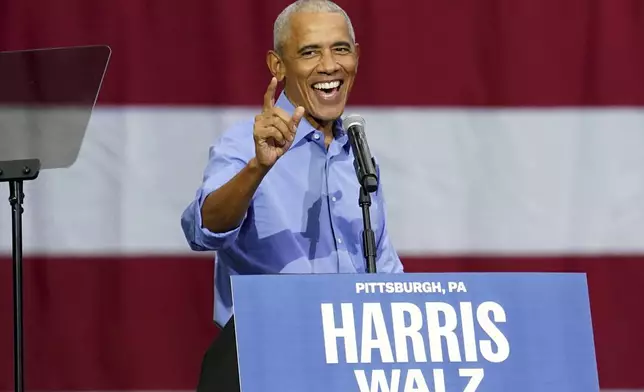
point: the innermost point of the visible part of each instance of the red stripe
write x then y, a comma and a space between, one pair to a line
138, 323
425, 52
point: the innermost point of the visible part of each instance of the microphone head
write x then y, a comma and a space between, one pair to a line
353, 120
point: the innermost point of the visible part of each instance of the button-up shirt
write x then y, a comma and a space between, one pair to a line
303, 218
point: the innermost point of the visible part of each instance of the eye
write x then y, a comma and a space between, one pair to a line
342, 50
308, 53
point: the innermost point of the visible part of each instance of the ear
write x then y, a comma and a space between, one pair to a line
275, 65
357, 52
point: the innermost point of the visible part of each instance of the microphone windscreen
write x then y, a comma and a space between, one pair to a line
352, 120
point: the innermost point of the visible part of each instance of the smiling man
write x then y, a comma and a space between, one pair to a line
280, 193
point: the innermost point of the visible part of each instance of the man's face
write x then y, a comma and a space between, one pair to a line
320, 63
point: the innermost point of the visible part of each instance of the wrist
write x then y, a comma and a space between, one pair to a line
256, 167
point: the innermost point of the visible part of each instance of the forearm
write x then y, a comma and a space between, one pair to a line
224, 209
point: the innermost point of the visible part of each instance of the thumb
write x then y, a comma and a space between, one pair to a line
297, 117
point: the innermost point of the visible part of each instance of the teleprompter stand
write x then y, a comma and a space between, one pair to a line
46, 100
15, 172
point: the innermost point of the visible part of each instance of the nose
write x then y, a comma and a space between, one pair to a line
328, 63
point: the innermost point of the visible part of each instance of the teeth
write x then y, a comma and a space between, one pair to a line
327, 85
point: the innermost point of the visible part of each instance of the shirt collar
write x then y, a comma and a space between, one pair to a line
305, 129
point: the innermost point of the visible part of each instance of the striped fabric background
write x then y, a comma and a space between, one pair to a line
511, 135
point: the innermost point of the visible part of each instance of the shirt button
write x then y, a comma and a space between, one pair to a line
316, 136
334, 199
339, 240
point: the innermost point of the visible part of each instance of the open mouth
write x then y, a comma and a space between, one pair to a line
328, 90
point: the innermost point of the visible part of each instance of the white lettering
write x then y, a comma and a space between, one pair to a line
332, 333
412, 331
503, 347
405, 287
378, 381
373, 319
467, 326
456, 286
475, 375
436, 331
415, 381
439, 380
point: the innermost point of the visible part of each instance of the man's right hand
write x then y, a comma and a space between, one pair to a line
274, 129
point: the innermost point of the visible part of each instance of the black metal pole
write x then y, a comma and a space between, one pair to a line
16, 197
368, 236
16, 172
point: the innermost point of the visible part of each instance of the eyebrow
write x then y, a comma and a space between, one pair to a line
314, 47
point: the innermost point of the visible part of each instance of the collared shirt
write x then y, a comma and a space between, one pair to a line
303, 218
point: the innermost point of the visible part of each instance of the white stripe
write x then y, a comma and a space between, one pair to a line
455, 180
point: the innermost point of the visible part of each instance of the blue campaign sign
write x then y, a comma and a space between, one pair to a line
415, 333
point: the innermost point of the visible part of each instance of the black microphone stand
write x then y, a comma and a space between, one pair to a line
367, 186
368, 237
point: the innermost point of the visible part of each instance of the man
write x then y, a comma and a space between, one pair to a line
280, 193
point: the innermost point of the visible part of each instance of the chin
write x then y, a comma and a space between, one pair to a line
327, 114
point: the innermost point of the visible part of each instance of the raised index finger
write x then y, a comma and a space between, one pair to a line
269, 96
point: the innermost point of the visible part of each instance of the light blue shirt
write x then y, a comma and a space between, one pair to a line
303, 218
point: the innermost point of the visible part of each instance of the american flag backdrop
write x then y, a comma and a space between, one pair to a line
510, 134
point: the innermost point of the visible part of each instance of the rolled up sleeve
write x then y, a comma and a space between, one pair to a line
227, 157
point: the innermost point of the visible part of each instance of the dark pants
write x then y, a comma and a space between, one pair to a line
219, 371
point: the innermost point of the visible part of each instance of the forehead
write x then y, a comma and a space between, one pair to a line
322, 28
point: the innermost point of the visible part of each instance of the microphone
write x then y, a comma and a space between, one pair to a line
366, 171
363, 161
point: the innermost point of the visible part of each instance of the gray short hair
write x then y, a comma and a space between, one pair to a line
282, 22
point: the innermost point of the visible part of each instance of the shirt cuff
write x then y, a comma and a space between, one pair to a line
203, 239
